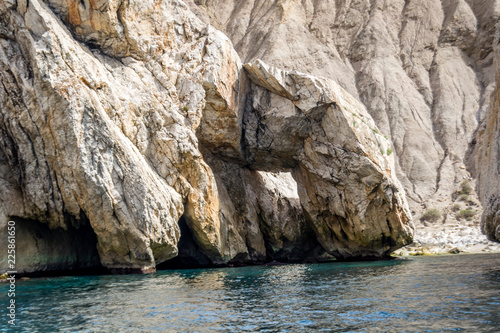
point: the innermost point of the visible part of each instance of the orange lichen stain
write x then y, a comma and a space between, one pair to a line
74, 13
63, 88
388, 171
94, 20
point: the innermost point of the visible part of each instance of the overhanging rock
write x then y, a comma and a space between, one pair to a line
341, 162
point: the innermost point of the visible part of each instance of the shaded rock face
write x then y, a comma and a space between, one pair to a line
423, 69
189, 253
138, 119
485, 156
50, 250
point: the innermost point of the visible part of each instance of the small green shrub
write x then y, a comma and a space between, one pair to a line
455, 208
389, 151
467, 214
463, 197
465, 187
186, 108
354, 124
431, 215
375, 131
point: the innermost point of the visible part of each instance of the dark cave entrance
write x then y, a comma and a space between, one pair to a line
42, 251
190, 254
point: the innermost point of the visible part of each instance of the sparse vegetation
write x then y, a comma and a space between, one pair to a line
431, 215
354, 124
463, 197
375, 131
467, 214
389, 151
471, 202
465, 187
455, 208
186, 109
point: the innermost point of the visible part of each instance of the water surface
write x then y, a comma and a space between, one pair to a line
424, 294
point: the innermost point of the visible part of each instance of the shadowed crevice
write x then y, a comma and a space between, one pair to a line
190, 254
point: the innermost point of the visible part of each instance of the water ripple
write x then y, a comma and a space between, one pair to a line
427, 294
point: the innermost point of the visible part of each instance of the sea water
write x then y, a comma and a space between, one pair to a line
423, 294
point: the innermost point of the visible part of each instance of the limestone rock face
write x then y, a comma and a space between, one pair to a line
265, 210
485, 157
341, 162
108, 130
132, 118
423, 69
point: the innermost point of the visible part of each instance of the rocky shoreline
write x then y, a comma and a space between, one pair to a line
459, 237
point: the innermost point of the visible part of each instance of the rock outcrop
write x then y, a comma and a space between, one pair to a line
341, 162
423, 69
485, 157
96, 128
130, 118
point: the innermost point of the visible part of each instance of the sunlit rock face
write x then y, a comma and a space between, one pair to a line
423, 69
341, 162
129, 117
104, 122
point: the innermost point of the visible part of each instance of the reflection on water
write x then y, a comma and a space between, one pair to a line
431, 294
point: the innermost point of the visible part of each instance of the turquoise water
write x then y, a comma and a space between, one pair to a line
424, 294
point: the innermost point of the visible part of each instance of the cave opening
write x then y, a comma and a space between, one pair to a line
190, 254
42, 251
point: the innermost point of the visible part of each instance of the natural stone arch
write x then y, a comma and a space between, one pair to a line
340, 160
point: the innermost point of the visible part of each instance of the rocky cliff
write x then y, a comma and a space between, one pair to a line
485, 157
133, 136
131, 129
423, 69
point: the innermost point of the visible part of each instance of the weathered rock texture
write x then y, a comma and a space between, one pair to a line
135, 117
341, 162
423, 69
486, 156
100, 128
